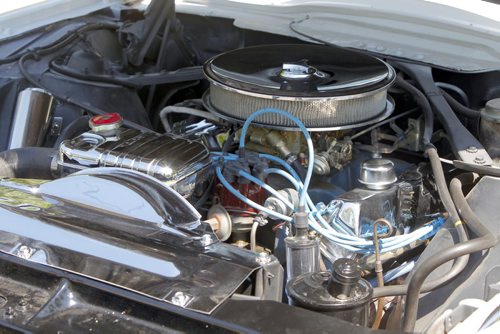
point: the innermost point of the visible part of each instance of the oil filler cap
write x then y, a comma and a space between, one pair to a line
106, 124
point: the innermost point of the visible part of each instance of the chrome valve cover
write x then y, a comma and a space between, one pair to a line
178, 162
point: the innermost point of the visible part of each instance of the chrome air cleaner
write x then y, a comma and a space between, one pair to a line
328, 88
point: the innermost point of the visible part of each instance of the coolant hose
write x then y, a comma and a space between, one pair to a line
75, 128
485, 240
28, 163
444, 194
461, 262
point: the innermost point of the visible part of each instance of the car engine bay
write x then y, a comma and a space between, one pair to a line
170, 172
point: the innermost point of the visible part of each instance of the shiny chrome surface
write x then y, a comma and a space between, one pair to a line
300, 70
257, 69
358, 208
326, 88
491, 112
162, 256
389, 109
377, 174
178, 162
32, 116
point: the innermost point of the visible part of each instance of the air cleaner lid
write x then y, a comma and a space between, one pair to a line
299, 70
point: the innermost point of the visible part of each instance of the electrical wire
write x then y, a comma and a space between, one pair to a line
460, 108
310, 147
380, 273
55, 44
485, 240
184, 110
266, 187
334, 232
388, 120
457, 90
245, 200
319, 224
461, 262
66, 40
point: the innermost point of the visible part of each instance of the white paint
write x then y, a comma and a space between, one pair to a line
21, 16
466, 38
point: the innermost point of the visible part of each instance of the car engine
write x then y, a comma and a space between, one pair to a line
165, 171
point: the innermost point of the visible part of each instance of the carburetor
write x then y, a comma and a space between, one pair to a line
180, 163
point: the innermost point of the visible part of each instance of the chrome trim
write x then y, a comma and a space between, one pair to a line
178, 162
34, 108
390, 106
302, 98
159, 259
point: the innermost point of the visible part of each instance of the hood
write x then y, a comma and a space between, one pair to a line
458, 35
462, 36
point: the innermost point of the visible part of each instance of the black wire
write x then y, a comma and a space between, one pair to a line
70, 35
63, 42
229, 141
455, 89
460, 108
206, 193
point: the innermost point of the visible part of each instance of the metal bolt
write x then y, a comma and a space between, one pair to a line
479, 160
24, 252
263, 258
206, 239
22, 305
180, 299
9, 312
471, 149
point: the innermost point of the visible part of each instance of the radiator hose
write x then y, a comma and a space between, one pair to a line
485, 240
28, 163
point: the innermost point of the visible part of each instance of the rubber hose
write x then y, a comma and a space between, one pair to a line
28, 163
423, 103
460, 263
74, 129
460, 108
485, 240
455, 89
402, 289
444, 194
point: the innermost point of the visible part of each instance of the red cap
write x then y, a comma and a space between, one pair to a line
107, 123
106, 119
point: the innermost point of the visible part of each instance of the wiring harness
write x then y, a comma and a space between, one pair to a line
333, 231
